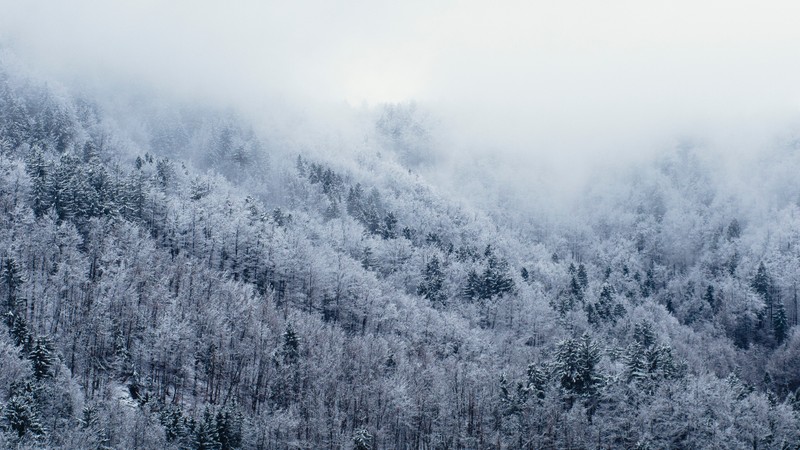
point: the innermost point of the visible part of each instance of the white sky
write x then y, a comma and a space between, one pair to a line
557, 76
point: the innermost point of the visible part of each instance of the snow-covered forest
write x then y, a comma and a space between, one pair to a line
175, 274
191, 284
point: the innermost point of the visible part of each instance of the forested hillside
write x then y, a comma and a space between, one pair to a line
180, 278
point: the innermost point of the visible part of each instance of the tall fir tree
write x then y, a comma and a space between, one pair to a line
575, 366
291, 345
42, 357
13, 278
432, 285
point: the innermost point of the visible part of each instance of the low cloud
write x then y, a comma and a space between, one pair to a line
566, 86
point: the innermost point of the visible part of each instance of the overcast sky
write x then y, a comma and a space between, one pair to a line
533, 78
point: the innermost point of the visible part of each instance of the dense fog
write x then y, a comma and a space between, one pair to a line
553, 90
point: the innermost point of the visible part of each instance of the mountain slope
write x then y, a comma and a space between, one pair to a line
192, 282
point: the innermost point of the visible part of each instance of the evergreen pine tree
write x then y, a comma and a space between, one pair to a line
537, 381
575, 365
37, 168
391, 363
474, 289
709, 296
780, 323
42, 357
371, 220
280, 218
12, 278
173, 422
228, 431
648, 287
89, 417
762, 284
493, 281
301, 166
354, 202
605, 310
291, 345
646, 360
362, 440
432, 285
575, 290
20, 413
19, 332
332, 212
513, 399
635, 364
366, 258
90, 422
583, 278
389, 229
204, 433
774, 314
495, 278
644, 335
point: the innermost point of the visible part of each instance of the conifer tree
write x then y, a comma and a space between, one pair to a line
362, 440
474, 287
432, 285
390, 364
389, 229
172, 420
37, 168
780, 323
774, 314
42, 357
20, 414
90, 422
367, 259
583, 278
291, 345
575, 365
300, 165
12, 278
495, 277
646, 360
537, 381
493, 281
648, 287
762, 284
605, 309
513, 398
709, 296
19, 332
204, 433
355, 198
575, 290
228, 428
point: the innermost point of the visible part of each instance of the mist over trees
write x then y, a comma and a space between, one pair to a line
186, 279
